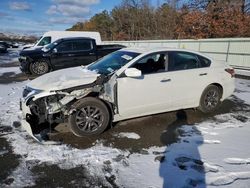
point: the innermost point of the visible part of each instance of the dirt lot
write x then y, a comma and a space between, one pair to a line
177, 149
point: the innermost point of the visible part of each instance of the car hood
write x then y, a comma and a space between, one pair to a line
63, 79
31, 51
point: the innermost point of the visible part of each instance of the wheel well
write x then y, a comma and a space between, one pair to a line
51, 67
219, 86
107, 104
92, 94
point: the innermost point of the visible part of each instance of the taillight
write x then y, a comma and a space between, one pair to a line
230, 71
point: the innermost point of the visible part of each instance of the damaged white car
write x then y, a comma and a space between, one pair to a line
128, 83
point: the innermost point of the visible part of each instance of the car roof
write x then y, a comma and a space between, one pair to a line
146, 50
74, 38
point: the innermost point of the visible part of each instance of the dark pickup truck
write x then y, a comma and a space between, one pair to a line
63, 53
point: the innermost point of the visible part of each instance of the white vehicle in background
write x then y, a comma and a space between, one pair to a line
52, 36
128, 83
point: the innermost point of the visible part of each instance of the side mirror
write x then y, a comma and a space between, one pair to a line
133, 73
54, 51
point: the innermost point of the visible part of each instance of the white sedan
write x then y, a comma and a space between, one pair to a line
128, 83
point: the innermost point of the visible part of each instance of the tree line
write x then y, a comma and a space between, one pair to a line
173, 19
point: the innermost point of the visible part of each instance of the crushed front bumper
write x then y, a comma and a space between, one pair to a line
25, 115
24, 66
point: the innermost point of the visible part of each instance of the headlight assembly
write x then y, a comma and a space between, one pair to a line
30, 91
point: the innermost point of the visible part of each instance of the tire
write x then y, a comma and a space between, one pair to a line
39, 67
91, 117
210, 99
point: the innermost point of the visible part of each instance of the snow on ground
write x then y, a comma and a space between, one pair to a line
9, 102
11, 56
64, 156
15, 70
242, 72
128, 135
212, 153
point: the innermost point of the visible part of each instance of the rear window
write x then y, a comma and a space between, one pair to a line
83, 45
183, 61
66, 46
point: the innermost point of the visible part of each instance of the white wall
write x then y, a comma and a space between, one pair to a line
234, 50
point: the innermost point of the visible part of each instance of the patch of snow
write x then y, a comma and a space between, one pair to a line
212, 142
244, 87
237, 161
130, 135
15, 70
242, 72
67, 157
2, 152
11, 56
141, 170
228, 178
22, 176
210, 167
9, 104
204, 132
64, 156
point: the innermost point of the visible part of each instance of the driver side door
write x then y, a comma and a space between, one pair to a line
64, 56
147, 94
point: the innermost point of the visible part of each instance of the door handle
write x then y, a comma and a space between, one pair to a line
70, 55
91, 53
165, 80
203, 74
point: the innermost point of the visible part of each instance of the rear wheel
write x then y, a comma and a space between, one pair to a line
91, 117
39, 67
210, 99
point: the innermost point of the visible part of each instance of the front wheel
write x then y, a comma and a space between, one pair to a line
39, 67
91, 117
210, 99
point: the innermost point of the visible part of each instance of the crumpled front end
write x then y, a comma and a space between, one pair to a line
30, 118
26, 114
44, 109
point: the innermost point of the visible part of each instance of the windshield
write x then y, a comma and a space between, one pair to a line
49, 46
112, 62
44, 41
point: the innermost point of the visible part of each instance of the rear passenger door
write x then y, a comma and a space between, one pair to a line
85, 52
189, 76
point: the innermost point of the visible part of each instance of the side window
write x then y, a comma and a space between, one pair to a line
183, 61
45, 41
152, 63
204, 62
83, 45
65, 47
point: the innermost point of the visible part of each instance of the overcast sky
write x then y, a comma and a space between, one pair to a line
38, 16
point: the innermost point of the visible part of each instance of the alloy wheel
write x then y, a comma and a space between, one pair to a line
89, 118
40, 67
212, 98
